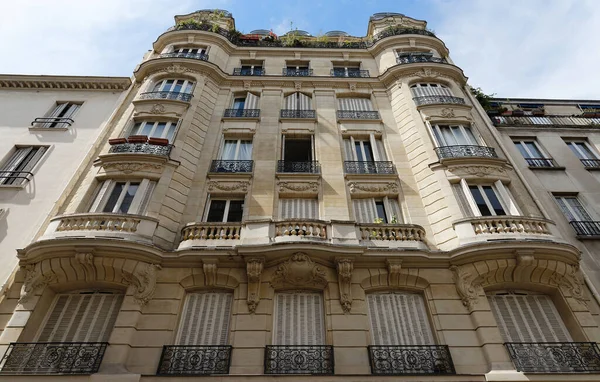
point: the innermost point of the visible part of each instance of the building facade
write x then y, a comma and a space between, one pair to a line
332, 206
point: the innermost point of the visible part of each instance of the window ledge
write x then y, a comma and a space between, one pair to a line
284, 119
245, 119
592, 168
48, 129
556, 168
587, 237
13, 186
357, 120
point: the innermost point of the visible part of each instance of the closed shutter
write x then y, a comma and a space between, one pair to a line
59, 108
399, 319
101, 195
394, 209
12, 164
251, 101
81, 318
299, 208
463, 204
355, 104
365, 210
424, 90
380, 150
528, 318
291, 102
299, 319
304, 102
349, 150
32, 160
72, 109
205, 319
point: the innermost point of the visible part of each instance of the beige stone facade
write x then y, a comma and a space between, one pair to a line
377, 216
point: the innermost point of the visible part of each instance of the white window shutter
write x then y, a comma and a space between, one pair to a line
13, 163
251, 101
466, 192
290, 102
394, 209
349, 150
365, 210
286, 208
299, 319
463, 204
34, 159
205, 319
299, 208
304, 101
72, 110
102, 193
380, 150
506, 198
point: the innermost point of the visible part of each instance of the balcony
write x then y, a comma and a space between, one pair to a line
248, 72
438, 99
465, 151
360, 115
212, 231
555, 357
81, 358
586, 228
498, 225
140, 144
232, 166
175, 96
291, 72
51, 122
194, 360
541, 162
301, 228
312, 167
410, 360
591, 163
411, 59
349, 73
299, 359
297, 114
379, 167
194, 56
546, 121
241, 113
391, 232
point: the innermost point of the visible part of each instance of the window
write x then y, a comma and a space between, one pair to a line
297, 68
123, 197
298, 208
572, 209
189, 51
61, 115
299, 319
155, 129
355, 104
237, 149
454, 135
430, 89
533, 154
364, 150
582, 149
245, 101
484, 199
225, 210
297, 149
250, 68
487, 201
17, 168
175, 86
348, 70
297, 101
371, 210
410, 57
205, 319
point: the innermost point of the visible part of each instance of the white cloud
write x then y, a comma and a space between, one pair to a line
533, 48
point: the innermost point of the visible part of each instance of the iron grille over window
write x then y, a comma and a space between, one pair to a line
299, 359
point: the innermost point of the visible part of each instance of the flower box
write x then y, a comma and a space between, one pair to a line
117, 141
518, 113
137, 138
158, 141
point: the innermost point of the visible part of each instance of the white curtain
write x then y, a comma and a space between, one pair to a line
229, 150
245, 152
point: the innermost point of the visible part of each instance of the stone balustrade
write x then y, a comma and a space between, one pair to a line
393, 232
510, 225
301, 228
98, 222
211, 231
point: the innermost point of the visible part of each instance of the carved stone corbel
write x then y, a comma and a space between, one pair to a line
573, 281
467, 284
34, 280
143, 281
394, 267
345, 267
210, 272
254, 268
86, 261
299, 271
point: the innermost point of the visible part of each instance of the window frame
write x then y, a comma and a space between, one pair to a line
387, 209
238, 145
523, 143
572, 210
228, 201
160, 85
23, 166
139, 203
467, 137
189, 48
155, 123
503, 195
573, 146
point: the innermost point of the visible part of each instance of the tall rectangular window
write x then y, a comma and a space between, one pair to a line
297, 208
454, 135
484, 199
582, 149
299, 319
155, 129
225, 210
16, 170
123, 197
371, 210
61, 115
205, 319
487, 201
237, 149
572, 208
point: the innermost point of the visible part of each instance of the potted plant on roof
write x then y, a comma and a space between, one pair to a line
518, 112
539, 112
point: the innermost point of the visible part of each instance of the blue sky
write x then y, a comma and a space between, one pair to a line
525, 48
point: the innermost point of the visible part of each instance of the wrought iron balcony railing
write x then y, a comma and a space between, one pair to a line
53, 358
586, 228
410, 359
438, 99
546, 121
312, 167
291, 72
50, 122
194, 360
352, 114
231, 166
14, 177
465, 151
379, 167
411, 59
352, 73
541, 162
241, 113
555, 357
177, 96
590, 163
145, 148
194, 56
299, 359
289, 113
248, 72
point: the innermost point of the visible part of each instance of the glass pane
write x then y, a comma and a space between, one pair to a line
136, 129
157, 87
238, 103
245, 152
577, 208
188, 88
458, 135
129, 194
216, 211
447, 136
236, 209
494, 201
171, 132
533, 149
177, 87
470, 137
146, 128
585, 150
114, 197
480, 201
522, 150
168, 85
381, 211
160, 128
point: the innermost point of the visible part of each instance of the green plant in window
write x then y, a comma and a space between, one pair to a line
394, 220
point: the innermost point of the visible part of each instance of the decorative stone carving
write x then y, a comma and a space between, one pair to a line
298, 85
479, 171
34, 280
86, 260
352, 86
210, 272
247, 84
129, 167
177, 69
394, 267
357, 187
157, 109
298, 187
448, 112
344, 268
299, 272
143, 280
466, 285
228, 186
254, 268
573, 281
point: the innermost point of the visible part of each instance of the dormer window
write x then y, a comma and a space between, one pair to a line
198, 53
412, 57
297, 69
348, 70
249, 68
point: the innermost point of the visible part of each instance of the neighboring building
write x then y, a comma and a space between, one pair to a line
300, 205
48, 125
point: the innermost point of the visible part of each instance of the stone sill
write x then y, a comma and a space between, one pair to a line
48, 129
537, 168
297, 119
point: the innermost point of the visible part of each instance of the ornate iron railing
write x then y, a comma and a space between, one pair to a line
289, 113
411, 59
195, 56
248, 72
392, 232
555, 357
53, 358
301, 228
299, 359
212, 231
586, 228
231, 166
541, 162
590, 163
50, 122
177, 96
14, 177
465, 151
194, 360
241, 113
145, 148
351, 73
291, 72
546, 121
438, 99
352, 114
380, 167
312, 167
410, 359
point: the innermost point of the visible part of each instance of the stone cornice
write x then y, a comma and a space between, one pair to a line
8, 81
423, 70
